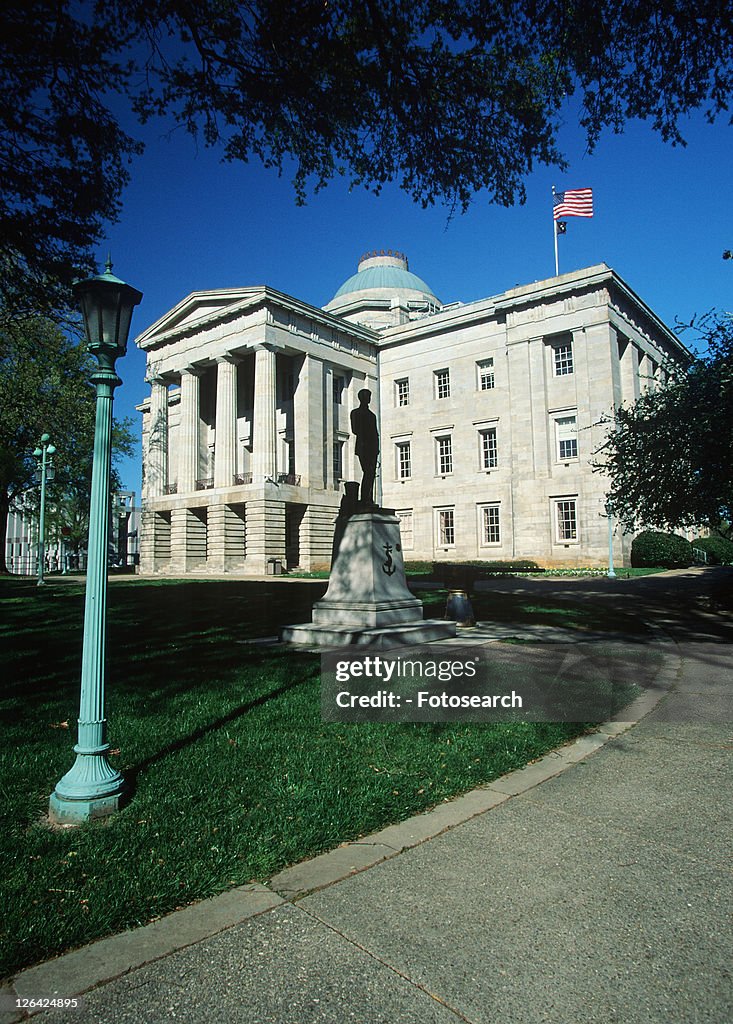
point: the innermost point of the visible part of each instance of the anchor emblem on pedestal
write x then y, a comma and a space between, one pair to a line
388, 565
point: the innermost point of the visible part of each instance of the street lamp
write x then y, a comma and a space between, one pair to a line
44, 472
92, 788
609, 512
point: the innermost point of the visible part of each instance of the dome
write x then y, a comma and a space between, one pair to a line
381, 278
383, 275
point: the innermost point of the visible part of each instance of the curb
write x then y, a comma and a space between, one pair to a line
72, 974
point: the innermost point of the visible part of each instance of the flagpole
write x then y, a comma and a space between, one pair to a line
554, 232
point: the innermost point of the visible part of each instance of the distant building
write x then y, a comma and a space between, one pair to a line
124, 539
21, 544
489, 413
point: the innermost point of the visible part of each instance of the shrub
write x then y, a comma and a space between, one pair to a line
465, 574
718, 549
652, 548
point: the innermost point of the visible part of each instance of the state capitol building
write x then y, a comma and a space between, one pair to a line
489, 414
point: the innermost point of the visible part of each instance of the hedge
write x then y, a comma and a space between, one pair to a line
668, 550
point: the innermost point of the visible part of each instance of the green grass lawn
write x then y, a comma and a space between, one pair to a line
233, 773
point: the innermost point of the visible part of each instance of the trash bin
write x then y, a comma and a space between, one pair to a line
458, 608
274, 567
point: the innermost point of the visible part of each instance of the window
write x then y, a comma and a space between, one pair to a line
406, 535
444, 451
445, 527
490, 528
566, 431
402, 391
338, 459
404, 460
488, 452
566, 520
485, 369
562, 358
339, 384
442, 383
287, 387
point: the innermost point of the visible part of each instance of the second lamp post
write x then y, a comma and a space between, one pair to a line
44, 472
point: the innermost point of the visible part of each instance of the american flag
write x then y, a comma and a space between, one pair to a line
575, 202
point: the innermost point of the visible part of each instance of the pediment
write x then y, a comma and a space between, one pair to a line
197, 308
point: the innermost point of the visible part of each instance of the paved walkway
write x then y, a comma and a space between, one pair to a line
592, 886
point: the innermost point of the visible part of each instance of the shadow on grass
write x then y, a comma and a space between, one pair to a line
162, 636
134, 771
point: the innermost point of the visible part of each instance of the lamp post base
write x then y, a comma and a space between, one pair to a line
91, 789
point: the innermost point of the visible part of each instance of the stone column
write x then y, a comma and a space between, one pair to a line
156, 475
188, 433
351, 470
629, 366
308, 413
264, 452
226, 422
328, 427
371, 383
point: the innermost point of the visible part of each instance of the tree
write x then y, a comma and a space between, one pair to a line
669, 455
44, 388
446, 97
63, 154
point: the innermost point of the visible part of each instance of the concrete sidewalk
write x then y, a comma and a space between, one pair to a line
580, 889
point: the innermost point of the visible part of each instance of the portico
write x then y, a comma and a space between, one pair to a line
232, 476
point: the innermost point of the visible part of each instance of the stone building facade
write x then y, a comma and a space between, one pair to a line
489, 415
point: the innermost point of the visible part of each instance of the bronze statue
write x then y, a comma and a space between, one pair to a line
364, 428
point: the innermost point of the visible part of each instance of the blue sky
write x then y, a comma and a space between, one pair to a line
662, 220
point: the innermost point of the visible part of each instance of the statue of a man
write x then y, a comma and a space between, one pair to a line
364, 428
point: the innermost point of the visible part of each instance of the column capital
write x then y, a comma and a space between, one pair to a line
227, 357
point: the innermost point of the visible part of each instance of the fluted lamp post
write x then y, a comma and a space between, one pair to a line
44, 472
92, 788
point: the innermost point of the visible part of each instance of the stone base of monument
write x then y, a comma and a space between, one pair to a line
367, 603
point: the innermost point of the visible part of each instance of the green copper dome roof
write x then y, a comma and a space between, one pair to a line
380, 270
382, 277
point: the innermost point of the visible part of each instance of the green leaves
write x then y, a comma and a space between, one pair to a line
446, 99
668, 456
44, 388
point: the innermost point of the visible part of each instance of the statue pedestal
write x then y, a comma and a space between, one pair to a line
367, 602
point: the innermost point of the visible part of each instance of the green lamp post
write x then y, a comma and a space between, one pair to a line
44, 472
92, 788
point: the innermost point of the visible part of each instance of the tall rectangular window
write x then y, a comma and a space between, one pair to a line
404, 460
562, 353
566, 429
406, 533
287, 387
402, 391
338, 459
444, 452
488, 450
339, 385
485, 369
442, 383
490, 525
445, 527
566, 520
